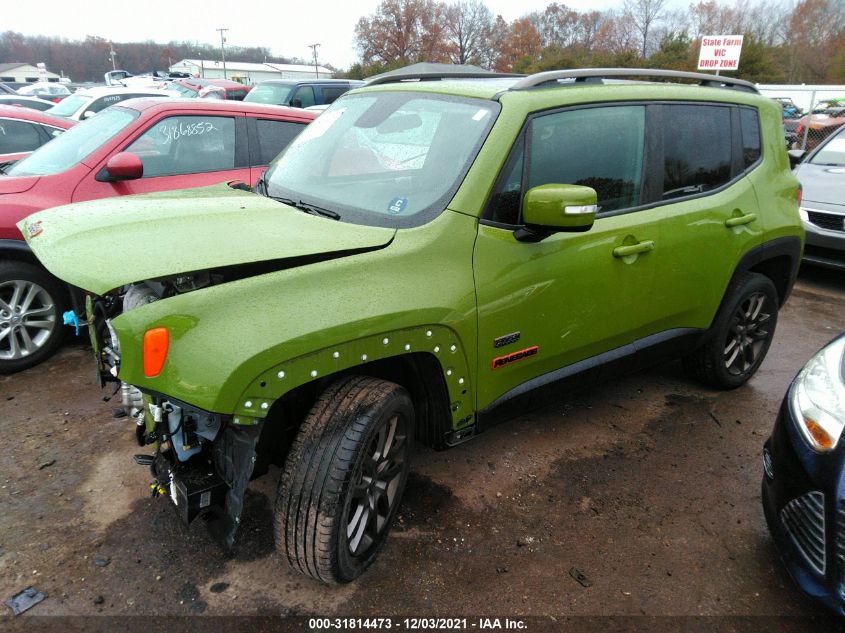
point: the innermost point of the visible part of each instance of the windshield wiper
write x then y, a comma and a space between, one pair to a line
307, 208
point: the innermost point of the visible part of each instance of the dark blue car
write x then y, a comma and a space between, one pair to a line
804, 477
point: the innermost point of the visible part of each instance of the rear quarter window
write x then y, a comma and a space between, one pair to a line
751, 147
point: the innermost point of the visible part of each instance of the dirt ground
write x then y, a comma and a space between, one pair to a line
648, 486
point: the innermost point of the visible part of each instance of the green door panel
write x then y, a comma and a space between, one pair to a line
568, 295
701, 246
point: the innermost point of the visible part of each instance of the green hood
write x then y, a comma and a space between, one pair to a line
104, 244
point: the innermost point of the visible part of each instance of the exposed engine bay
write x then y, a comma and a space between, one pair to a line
201, 461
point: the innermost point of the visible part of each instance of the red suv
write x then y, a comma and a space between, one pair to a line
140, 146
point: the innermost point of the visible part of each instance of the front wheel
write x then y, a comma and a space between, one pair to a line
740, 335
344, 477
30, 315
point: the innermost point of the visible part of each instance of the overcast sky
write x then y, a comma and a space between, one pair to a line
286, 27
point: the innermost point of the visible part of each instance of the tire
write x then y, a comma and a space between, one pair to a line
340, 489
740, 335
31, 305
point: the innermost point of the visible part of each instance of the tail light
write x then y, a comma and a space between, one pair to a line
56, 99
800, 128
799, 193
156, 343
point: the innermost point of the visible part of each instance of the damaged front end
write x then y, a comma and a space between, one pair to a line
201, 461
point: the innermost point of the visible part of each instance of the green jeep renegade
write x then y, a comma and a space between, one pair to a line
425, 250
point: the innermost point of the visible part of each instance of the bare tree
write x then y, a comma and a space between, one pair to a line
557, 25
644, 14
618, 33
589, 26
468, 30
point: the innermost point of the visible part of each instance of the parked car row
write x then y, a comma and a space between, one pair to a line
308, 93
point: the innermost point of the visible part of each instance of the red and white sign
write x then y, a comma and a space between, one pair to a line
720, 52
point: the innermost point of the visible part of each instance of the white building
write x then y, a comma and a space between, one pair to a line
249, 73
27, 73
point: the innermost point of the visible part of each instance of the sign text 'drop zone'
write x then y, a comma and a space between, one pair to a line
720, 52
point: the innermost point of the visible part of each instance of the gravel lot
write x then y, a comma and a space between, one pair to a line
648, 486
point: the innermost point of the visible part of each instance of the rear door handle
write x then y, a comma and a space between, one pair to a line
634, 249
748, 218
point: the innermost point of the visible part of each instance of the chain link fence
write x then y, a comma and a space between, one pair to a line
810, 113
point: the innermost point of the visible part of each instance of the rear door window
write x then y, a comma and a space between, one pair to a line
696, 149
187, 145
274, 136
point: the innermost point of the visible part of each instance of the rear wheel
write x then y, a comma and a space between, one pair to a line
344, 477
740, 336
30, 315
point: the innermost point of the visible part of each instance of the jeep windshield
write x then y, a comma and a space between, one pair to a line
66, 150
390, 159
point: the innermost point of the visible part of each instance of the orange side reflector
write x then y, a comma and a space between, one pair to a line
156, 342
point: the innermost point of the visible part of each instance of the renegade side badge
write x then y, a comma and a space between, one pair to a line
501, 361
507, 339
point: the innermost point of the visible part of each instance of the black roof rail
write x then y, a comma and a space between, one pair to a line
585, 74
436, 76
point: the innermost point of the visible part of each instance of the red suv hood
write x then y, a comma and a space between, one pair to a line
17, 184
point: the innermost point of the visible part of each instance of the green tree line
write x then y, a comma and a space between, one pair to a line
88, 59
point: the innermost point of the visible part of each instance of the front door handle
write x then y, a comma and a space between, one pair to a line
748, 218
633, 249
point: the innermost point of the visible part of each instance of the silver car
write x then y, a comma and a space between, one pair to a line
822, 174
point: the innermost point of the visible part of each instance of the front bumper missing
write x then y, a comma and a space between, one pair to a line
203, 463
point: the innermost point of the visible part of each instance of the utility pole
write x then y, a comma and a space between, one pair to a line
313, 48
112, 54
223, 49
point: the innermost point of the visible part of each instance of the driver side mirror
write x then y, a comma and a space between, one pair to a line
88, 114
296, 103
551, 208
124, 166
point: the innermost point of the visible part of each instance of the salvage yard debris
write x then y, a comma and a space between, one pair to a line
24, 600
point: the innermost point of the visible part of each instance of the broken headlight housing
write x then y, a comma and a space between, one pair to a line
817, 398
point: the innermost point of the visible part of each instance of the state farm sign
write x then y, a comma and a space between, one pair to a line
720, 52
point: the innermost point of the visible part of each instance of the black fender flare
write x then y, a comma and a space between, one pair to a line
789, 246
